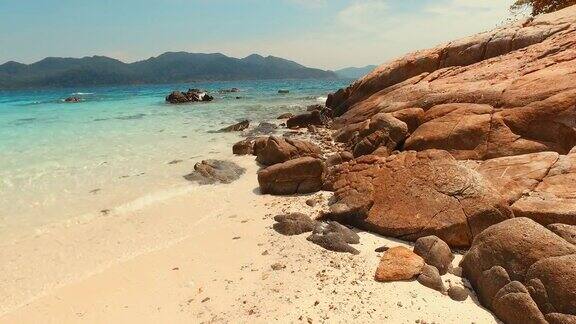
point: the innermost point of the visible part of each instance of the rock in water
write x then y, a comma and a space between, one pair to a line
244, 147
72, 100
301, 175
192, 95
305, 120
293, 224
285, 116
399, 263
263, 128
215, 171
435, 252
238, 127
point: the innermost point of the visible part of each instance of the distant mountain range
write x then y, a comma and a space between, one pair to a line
171, 67
354, 72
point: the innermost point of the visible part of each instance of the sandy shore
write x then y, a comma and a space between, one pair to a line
206, 255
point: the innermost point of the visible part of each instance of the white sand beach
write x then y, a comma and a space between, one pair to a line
206, 256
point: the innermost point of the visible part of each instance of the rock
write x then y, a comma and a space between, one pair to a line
285, 116
315, 107
278, 150
192, 95
557, 318
412, 117
399, 263
456, 271
512, 304
215, 171
259, 145
500, 93
244, 147
430, 277
73, 100
278, 266
552, 284
339, 158
301, 175
567, 232
293, 224
383, 131
451, 201
348, 235
238, 127
231, 90
435, 252
283, 91
333, 242
458, 293
304, 120
311, 202
521, 270
263, 128
382, 249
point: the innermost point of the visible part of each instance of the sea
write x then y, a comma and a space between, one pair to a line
121, 147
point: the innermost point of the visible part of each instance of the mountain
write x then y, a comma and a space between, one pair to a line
354, 72
171, 67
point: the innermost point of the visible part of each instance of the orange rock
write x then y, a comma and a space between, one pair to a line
399, 263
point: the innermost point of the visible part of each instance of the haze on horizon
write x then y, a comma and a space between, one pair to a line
317, 33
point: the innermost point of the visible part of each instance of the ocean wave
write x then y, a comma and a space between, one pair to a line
322, 99
82, 93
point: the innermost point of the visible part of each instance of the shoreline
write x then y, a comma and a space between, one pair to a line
165, 262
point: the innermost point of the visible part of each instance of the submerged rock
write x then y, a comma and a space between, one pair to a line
73, 100
238, 127
215, 171
263, 128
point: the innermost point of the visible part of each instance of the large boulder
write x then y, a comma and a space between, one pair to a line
416, 194
500, 93
297, 176
278, 150
522, 271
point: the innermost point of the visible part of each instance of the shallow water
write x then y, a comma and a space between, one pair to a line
63, 161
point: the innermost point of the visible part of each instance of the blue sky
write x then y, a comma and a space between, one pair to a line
321, 33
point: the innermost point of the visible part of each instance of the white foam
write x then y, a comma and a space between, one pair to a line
322, 99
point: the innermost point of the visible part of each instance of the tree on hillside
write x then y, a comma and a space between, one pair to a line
543, 6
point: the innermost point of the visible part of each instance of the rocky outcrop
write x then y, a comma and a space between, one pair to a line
501, 93
522, 271
296, 176
192, 95
416, 194
215, 171
278, 150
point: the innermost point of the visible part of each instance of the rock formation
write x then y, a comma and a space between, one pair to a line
215, 171
192, 95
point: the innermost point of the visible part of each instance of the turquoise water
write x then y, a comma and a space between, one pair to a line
61, 160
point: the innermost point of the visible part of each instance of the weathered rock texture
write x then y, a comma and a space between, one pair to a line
399, 263
416, 194
506, 92
278, 150
522, 271
301, 175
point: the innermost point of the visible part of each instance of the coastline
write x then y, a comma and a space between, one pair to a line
206, 256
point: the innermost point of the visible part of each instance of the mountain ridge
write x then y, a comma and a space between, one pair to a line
169, 67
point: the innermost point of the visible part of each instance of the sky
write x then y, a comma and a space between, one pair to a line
328, 34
